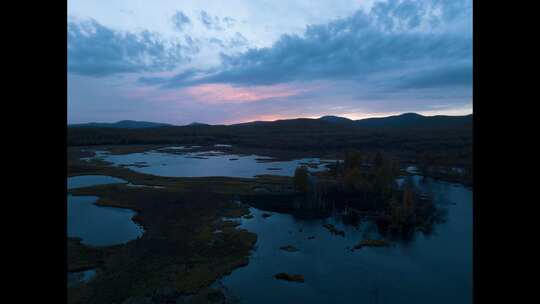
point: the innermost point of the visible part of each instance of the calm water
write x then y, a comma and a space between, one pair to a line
80, 277
208, 163
92, 180
429, 269
97, 225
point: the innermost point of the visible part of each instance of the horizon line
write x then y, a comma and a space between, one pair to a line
274, 120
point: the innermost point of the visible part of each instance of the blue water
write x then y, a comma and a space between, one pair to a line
436, 268
215, 163
92, 180
81, 277
98, 225
429, 269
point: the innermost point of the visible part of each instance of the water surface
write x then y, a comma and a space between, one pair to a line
207, 163
98, 225
75, 278
429, 269
92, 180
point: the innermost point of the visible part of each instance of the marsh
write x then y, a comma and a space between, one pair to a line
332, 269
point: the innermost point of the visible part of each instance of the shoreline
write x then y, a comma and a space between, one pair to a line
161, 212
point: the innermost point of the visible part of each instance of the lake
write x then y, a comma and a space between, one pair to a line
429, 269
92, 180
435, 268
98, 225
206, 163
75, 278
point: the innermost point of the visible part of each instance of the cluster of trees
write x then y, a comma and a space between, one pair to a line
358, 182
402, 213
415, 211
315, 193
368, 184
301, 179
445, 167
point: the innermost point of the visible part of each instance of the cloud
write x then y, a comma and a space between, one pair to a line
222, 93
174, 81
216, 23
210, 22
96, 50
399, 56
389, 45
180, 20
458, 75
232, 43
395, 14
238, 41
411, 14
229, 22
216, 41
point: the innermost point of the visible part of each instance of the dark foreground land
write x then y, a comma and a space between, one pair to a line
180, 254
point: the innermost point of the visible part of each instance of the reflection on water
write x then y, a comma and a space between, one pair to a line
207, 163
430, 268
97, 225
75, 278
412, 170
144, 186
435, 268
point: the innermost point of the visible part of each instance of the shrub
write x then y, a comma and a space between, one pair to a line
301, 179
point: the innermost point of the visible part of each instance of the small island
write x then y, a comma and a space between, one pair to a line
289, 248
334, 230
290, 277
374, 243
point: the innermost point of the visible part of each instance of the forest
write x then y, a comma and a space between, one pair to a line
446, 145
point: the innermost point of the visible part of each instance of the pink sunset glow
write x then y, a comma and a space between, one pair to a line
268, 117
224, 93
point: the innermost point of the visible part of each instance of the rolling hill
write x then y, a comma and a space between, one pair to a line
123, 124
415, 120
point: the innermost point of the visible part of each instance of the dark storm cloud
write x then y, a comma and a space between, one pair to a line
180, 20
96, 50
361, 47
457, 75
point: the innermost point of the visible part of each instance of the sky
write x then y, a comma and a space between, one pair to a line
225, 62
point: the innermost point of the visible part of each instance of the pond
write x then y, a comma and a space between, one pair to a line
98, 225
92, 180
207, 163
435, 268
75, 278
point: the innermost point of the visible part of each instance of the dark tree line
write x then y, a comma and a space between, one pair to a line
368, 185
446, 145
